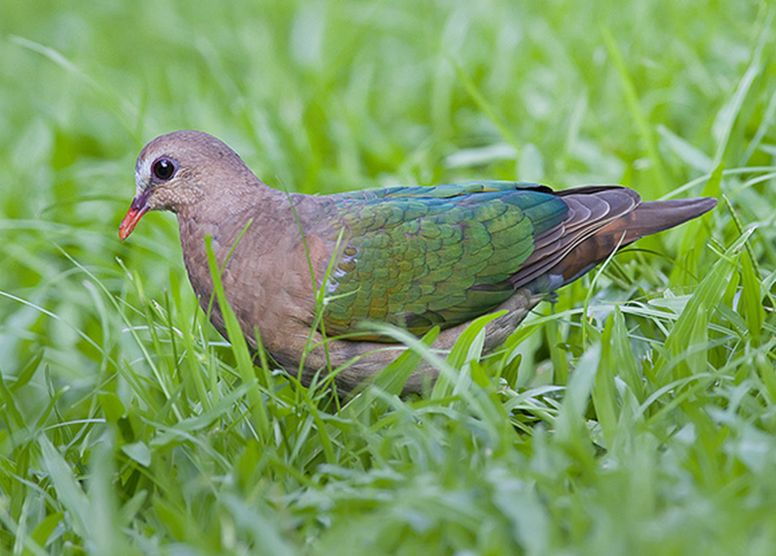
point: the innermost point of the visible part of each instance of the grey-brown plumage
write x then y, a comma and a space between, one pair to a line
415, 257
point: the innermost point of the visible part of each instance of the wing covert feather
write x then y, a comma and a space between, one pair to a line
418, 257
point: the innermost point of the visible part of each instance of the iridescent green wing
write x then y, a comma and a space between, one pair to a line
417, 257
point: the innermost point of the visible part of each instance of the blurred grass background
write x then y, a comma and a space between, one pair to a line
636, 415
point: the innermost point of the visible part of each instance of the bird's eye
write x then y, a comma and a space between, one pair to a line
163, 169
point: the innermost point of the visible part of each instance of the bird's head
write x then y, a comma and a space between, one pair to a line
179, 171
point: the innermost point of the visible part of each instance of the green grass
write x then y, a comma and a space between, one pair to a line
635, 415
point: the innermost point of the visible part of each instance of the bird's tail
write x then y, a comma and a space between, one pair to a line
647, 218
655, 216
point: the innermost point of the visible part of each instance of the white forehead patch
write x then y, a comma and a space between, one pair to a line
142, 174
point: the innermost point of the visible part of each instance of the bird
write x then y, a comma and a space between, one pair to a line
307, 273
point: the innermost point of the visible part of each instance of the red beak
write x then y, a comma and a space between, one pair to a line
136, 211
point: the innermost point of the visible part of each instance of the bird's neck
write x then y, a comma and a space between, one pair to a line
223, 204
223, 217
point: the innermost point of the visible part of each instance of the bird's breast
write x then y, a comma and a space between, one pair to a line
266, 276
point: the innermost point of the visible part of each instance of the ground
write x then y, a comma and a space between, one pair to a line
634, 415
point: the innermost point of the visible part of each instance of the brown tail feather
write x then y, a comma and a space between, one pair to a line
656, 216
647, 218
